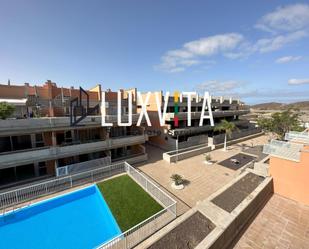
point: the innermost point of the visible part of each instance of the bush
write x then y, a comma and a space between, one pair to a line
6, 110
207, 157
177, 179
281, 123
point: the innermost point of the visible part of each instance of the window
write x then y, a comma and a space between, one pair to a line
39, 141
42, 168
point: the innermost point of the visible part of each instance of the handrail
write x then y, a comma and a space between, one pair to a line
120, 236
125, 240
282, 149
24, 194
129, 156
23, 150
302, 137
82, 166
128, 165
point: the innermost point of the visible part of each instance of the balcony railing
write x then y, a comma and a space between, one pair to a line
51, 153
11, 126
127, 239
191, 130
143, 230
295, 136
197, 115
285, 150
83, 166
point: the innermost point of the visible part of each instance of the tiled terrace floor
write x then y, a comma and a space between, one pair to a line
203, 180
282, 224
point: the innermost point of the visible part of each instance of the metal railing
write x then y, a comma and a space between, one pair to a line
141, 231
218, 139
126, 240
28, 193
302, 137
128, 157
196, 115
285, 150
51, 153
83, 166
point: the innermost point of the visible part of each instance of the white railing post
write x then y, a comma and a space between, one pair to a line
71, 181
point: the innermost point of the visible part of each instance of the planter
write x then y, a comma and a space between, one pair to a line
178, 187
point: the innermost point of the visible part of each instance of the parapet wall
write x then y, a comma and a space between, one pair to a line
172, 156
243, 215
218, 139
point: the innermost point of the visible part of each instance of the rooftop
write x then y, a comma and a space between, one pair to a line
202, 180
282, 224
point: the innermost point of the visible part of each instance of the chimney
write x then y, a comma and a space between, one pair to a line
9, 82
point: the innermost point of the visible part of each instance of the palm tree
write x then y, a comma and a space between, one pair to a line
228, 128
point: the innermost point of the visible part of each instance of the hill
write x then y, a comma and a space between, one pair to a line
303, 105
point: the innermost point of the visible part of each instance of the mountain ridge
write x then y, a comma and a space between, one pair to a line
301, 105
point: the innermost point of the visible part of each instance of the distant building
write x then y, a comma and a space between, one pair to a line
289, 166
222, 108
39, 141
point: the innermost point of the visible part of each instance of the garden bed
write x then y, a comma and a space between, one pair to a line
235, 194
241, 159
187, 234
128, 201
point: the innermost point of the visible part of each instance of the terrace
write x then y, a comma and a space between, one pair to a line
282, 223
234, 215
201, 180
217, 199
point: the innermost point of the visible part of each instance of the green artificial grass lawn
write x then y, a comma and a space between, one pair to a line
129, 203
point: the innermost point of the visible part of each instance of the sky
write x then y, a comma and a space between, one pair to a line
254, 50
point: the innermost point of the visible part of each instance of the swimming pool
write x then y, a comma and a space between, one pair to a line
80, 219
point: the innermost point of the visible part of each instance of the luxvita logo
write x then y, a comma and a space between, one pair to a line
143, 102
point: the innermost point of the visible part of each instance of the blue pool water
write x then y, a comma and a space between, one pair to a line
76, 220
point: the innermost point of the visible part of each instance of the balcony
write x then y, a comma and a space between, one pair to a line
198, 129
285, 150
189, 130
83, 166
35, 125
298, 137
197, 115
218, 101
50, 153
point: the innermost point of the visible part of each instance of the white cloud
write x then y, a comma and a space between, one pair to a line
288, 19
219, 87
287, 24
298, 81
214, 44
190, 53
287, 59
277, 42
242, 90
